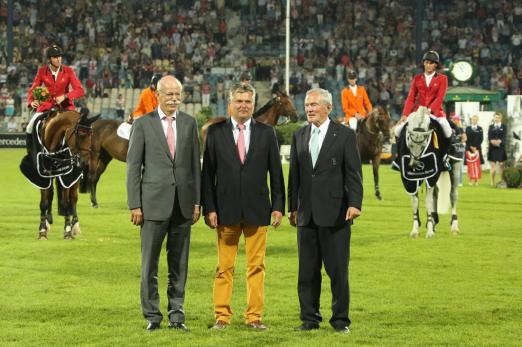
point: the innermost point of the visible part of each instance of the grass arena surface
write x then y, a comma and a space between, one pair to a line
450, 290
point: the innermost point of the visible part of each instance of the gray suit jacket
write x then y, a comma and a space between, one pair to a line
153, 178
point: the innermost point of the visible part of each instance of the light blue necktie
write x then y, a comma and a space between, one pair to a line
314, 145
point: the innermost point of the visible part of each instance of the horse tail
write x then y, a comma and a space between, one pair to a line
444, 186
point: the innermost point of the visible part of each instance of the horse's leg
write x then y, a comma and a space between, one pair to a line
430, 225
100, 169
375, 164
435, 199
75, 223
44, 227
65, 211
454, 195
416, 220
49, 212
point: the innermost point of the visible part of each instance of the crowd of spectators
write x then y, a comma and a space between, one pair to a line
120, 44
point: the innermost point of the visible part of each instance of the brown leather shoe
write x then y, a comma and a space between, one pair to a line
220, 325
256, 325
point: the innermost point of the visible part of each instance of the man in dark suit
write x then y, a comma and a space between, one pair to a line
324, 195
239, 153
163, 188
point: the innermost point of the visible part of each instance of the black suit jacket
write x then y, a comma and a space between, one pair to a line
238, 191
325, 192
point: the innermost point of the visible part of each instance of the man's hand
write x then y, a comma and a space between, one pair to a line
352, 213
60, 99
292, 217
358, 116
211, 219
136, 216
403, 119
196, 214
35, 104
276, 218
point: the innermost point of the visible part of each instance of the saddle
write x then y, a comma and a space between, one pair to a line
40, 166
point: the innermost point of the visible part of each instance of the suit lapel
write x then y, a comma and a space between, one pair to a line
229, 138
180, 131
158, 131
253, 138
329, 139
304, 139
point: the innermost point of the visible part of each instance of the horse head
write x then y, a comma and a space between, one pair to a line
280, 105
418, 134
378, 123
286, 107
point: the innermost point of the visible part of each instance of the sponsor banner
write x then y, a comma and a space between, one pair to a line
12, 140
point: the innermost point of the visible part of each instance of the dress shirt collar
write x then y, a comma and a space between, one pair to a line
323, 128
247, 123
162, 114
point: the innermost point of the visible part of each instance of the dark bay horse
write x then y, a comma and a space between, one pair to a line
106, 144
280, 105
373, 131
75, 131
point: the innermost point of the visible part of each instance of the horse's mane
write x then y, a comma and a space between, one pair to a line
263, 109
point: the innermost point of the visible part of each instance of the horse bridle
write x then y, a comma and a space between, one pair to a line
80, 130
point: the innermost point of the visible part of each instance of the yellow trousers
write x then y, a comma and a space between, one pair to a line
255, 246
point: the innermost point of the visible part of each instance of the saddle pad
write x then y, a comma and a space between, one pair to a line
124, 130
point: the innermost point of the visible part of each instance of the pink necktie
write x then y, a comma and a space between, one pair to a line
171, 140
241, 143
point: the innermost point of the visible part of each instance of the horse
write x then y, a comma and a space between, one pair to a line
106, 144
372, 132
420, 161
74, 130
279, 105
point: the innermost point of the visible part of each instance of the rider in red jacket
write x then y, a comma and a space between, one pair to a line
60, 81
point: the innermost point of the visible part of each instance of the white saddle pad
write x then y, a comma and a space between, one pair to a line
124, 130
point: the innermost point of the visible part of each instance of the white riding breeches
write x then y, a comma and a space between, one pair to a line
30, 125
443, 122
353, 123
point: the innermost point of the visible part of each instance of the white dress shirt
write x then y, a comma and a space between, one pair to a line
246, 132
165, 124
322, 133
428, 78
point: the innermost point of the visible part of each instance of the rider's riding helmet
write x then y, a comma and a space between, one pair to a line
351, 75
154, 80
431, 56
54, 51
246, 75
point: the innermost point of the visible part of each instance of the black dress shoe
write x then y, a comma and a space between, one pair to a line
307, 327
178, 326
153, 326
342, 330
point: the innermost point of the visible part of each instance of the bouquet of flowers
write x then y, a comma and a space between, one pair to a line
41, 94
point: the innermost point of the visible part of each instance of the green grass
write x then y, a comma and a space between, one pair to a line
449, 290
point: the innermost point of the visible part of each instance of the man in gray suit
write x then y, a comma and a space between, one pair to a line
163, 188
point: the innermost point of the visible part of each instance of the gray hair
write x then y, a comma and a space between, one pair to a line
241, 88
324, 95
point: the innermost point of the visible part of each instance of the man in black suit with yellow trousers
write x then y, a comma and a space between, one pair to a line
239, 153
324, 195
